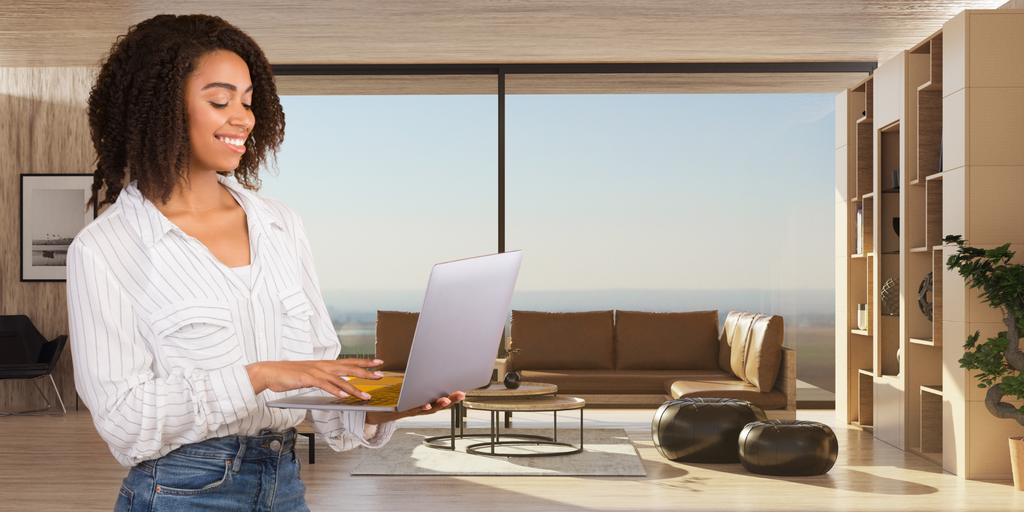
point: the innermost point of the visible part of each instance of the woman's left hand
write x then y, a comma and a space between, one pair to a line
375, 418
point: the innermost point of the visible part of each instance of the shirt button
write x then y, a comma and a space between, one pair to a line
260, 335
275, 445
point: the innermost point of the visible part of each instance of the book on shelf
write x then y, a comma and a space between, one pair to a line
859, 245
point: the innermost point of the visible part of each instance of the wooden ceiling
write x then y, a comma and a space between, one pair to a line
78, 33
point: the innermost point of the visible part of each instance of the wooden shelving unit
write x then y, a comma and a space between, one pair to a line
946, 115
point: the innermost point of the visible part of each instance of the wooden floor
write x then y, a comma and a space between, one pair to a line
54, 464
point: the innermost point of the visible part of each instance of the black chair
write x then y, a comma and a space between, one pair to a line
26, 355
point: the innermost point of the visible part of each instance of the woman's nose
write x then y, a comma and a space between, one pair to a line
243, 118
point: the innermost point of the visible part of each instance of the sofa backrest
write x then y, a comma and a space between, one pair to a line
562, 341
395, 330
666, 341
753, 343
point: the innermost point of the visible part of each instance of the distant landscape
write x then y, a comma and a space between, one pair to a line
809, 315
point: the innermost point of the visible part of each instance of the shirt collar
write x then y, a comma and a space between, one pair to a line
143, 216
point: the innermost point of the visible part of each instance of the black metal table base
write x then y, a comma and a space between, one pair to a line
458, 421
489, 448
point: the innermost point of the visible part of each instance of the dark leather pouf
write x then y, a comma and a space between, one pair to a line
702, 429
788, 448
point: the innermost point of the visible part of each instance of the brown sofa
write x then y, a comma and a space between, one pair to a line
640, 358
631, 358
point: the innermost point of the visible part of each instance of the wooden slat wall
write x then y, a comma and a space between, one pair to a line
44, 130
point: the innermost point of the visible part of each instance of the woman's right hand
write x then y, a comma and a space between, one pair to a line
327, 375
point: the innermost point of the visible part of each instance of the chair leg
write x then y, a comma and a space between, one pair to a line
312, 447
57, 391
35, 412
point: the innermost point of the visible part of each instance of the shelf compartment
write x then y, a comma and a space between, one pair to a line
938, 269
864, 139
918, 264
933, 212
931, 423
889, 213
865, 398
888, 339
868, 243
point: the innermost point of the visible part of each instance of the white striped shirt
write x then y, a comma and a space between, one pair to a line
161, 330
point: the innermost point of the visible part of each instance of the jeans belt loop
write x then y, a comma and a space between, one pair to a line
236, 466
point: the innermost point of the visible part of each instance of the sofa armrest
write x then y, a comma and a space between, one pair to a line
786, 381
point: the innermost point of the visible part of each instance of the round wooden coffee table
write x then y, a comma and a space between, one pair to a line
495, 390
551, 404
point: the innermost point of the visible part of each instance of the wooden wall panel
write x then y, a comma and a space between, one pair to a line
45, 130
995, 133
995, 53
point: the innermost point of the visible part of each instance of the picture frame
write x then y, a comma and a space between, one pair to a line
52, 212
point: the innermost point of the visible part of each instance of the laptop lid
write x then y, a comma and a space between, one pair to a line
460, 328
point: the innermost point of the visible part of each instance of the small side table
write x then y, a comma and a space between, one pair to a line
551, 404
495, 390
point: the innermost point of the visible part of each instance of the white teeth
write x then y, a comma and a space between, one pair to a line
233, 142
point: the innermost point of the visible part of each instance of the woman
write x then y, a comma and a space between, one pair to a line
192, 300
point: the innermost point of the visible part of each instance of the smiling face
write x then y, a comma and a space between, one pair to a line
218, 99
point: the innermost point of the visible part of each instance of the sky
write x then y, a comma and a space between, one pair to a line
641, 192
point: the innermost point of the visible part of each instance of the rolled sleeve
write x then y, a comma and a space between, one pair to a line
346, 430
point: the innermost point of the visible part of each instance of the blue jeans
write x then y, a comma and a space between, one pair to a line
251, 473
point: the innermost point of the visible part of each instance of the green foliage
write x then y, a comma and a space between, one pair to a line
1001, 285
987, 357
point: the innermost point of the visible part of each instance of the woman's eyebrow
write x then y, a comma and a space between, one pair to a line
223, 85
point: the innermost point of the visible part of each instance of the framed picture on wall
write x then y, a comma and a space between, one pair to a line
53, 211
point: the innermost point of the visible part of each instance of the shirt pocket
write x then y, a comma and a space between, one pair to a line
295, 325
198, 334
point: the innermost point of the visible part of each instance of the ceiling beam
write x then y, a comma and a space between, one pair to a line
571, 68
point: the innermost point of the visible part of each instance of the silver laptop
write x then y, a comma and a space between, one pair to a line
460, 327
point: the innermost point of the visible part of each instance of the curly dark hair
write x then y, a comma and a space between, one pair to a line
137, 106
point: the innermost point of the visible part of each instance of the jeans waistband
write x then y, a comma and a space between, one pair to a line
265, 444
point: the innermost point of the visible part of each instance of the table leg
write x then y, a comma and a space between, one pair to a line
554, 431
494, 427
581, 429
508, 419
455, 415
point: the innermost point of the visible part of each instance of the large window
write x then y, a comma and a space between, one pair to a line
678, 203
387, 186
641, 202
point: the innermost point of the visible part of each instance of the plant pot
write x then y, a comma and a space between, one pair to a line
1017, 462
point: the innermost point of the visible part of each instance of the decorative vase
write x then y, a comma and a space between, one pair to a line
862, 317
891, 297
1017, 462
923, 296
512, 380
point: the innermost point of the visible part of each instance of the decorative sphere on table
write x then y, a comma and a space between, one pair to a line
511, 380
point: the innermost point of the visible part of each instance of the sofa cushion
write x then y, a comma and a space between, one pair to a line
666, 341
724, 349
755, 346
562, 341
738, 336
764, 351
725, 388
615, 382
395, 330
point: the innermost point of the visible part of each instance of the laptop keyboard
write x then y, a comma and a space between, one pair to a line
386, 396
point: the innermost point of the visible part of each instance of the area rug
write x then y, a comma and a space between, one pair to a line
606, 452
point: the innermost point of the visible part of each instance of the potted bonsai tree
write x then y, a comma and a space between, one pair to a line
998, 360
